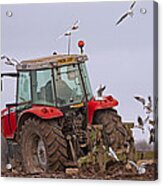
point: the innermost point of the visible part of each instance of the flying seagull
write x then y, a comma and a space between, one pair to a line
140, 99
140, 124
70, 29
7, 60
148, 107
129, 12
140, 169
152, 136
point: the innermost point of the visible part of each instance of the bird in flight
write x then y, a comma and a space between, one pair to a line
129, 12
148, 107
9, 61
140, 99
140, 169
140, 124
70, 29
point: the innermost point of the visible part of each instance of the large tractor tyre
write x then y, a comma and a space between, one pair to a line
43, 146
114, 132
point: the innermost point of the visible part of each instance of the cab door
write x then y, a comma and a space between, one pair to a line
24, 91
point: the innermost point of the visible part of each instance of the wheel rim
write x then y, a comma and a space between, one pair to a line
36, 154
41, 154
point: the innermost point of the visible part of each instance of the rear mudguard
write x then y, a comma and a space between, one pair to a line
10, 124
93, 105
43, 112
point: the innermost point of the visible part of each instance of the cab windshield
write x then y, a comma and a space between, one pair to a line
69, 88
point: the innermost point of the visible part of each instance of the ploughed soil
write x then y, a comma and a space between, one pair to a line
114, 171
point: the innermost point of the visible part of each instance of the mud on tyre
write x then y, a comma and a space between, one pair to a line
115, 133
43, 146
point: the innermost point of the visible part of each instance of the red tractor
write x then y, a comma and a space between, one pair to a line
53, 110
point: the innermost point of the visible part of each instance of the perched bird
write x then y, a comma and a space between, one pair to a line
99, 92
140, 169
129, 12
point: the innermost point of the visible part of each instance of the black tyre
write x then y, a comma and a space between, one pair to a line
115, 134
43, 146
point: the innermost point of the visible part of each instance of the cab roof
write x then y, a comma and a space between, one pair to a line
51, 61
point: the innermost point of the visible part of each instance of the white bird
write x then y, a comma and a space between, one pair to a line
129, 12
140, 169
70, 29
140, 124
100, 90
152, 135
7, 60
15, 60
140, 99
148, 106
113, 154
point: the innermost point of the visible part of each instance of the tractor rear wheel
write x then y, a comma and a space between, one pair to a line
114, 132
43, 146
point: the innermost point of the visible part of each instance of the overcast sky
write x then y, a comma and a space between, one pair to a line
119, 57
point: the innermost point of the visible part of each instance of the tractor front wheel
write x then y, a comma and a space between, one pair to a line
43, 146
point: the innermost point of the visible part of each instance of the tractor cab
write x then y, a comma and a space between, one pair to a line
57, 81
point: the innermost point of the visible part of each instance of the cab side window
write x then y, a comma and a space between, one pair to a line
24, 89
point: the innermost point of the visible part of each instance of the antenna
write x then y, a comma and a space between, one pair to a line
68, 33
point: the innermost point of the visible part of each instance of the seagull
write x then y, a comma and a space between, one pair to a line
100, 90
147, 119
148, 107
7, 60
75, 26
141, 123
140, 169
140, 99
112, 154
129, 12
70, 29
15, 60
152, 135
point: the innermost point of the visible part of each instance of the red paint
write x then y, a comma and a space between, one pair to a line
46, 112
8, 122
93, 105
43, 112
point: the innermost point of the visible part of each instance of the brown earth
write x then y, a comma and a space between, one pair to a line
114, 171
